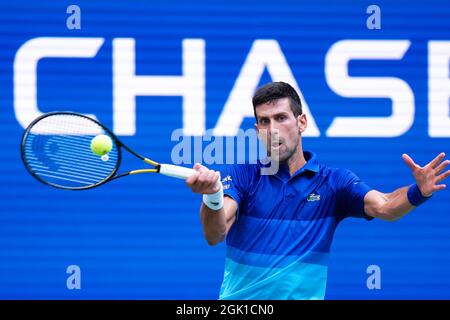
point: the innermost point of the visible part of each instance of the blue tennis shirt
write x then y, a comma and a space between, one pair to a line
278, 247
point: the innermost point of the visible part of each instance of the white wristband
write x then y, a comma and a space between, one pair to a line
214, 201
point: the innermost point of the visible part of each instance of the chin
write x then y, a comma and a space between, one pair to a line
281, 158
284, 159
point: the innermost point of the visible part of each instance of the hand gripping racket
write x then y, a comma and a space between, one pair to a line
56, 150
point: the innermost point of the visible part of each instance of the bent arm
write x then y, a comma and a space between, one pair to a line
217, 223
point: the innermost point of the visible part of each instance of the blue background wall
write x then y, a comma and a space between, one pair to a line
131, 242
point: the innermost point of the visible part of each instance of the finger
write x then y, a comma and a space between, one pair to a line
202, 169
202, 181
200, 178
205, 180
198, 167
192, 179
216, 176
442, 166
196, 189
409, 162
217, 182
433, 163
212, 185
440, 187
211, 179
443, 176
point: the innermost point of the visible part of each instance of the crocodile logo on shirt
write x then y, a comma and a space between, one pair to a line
224, 182
227, 178
313, 197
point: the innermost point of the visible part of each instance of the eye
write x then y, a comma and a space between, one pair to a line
263, 121
281, 117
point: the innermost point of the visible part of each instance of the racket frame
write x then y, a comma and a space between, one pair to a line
117, 142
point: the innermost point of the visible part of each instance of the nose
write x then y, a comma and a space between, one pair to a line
274, 133
273, 128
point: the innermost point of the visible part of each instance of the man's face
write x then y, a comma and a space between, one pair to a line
279, 129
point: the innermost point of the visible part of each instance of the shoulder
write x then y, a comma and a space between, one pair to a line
333, 173
237, 179
338, 177
341, 173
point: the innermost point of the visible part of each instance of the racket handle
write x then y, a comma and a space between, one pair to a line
175, 171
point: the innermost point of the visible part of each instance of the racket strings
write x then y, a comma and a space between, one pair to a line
57, 149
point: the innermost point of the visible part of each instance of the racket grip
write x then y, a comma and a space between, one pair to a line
175, 171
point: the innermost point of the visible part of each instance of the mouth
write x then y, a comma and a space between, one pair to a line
276, 145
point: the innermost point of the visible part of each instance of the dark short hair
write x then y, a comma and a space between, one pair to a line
277, 90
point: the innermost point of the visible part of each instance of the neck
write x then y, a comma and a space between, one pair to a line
296, 161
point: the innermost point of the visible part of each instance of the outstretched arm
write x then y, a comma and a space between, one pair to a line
392, 206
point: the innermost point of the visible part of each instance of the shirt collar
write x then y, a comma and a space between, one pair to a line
312, 164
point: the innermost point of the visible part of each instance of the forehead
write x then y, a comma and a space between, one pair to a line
274, 107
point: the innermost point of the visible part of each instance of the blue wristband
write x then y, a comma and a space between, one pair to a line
415, 197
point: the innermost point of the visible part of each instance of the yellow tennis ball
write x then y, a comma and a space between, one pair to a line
101, 145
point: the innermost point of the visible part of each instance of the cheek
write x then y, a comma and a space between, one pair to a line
262, 134
290, 134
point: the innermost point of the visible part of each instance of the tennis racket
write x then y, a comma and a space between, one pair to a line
56, 150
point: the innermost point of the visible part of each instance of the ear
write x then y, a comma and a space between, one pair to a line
302, 123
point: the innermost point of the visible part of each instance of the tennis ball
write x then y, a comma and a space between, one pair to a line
101, 145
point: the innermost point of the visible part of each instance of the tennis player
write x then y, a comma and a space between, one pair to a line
279, 227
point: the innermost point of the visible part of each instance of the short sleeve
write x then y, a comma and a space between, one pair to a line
350, 193
236, 180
